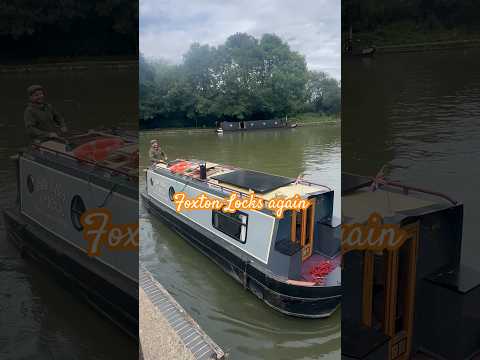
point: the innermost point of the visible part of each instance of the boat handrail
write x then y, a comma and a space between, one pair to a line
380, 180
310, 183
90, 162
407, 188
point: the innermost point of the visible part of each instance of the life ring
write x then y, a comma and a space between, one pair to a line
179, 167
98, 150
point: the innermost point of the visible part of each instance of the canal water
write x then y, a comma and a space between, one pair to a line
39, 318
418, 114
240, 323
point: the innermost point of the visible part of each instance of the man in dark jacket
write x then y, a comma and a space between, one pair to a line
156, 153
42, 121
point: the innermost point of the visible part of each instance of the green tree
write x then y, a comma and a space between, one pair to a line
69, 27
323, 93
244, 78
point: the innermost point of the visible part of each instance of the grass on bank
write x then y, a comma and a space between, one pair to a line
313, 118
409, 33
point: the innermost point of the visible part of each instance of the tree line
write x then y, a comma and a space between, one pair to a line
68, 28
367, 15
244, 78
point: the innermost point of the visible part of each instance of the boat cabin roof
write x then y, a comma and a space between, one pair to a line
265, 186
360, 200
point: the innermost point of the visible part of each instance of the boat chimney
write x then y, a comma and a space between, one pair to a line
203, 171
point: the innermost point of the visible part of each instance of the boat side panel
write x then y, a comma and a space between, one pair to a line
278, 263
230, 126
324, 207
439, 248
440, 240
260, 228
85, 171
49, 205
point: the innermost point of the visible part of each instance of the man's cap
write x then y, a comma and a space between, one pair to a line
153, 142
32, 88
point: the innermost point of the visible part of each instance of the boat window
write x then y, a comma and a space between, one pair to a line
234, 225
77, 208
171, 193
30, 184
151, 181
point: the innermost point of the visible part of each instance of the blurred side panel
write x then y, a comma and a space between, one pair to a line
69, 180
409, 141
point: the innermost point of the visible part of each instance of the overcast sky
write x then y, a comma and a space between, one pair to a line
311, 27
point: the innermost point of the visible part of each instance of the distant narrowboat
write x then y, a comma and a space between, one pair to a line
292, 263
248, 125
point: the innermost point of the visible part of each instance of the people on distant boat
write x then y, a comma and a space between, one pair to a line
42, 121
156, 153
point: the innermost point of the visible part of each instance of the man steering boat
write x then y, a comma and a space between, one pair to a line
42, 121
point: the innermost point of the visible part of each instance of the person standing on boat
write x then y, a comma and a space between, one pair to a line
42, 121
156, 153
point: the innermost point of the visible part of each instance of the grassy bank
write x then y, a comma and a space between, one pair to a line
409, 33
313, 118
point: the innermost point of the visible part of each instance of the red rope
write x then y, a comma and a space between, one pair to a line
320, 271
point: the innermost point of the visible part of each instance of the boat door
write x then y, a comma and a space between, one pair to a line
302, 229
389, 293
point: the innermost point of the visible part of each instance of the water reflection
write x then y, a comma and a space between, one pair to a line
418, 113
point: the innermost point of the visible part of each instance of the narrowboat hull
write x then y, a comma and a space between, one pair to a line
291, 126
290, 299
